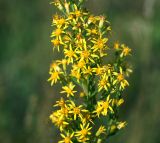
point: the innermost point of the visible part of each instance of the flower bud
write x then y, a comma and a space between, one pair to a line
101, 22
66, 5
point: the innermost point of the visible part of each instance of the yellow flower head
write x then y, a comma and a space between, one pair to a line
76, 111
55, 75
103, 107
69, 89
58, 120
101, 130
84, 132
67, 138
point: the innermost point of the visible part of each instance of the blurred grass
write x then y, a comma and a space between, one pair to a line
25, 54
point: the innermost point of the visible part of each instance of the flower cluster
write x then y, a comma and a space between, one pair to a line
92, 73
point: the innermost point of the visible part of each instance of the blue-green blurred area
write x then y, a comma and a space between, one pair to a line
26, 97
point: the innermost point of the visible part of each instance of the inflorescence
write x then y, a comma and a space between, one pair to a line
92, 73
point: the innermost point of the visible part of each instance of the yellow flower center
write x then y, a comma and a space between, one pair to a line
116, 45
58, 32
126, 51
91, 19
67, 140
85, 54
61, 21
76, 110
103, 82
99, 109
76, 74
99, 71
64, 61
81, 64
94, 31
120, 77
84, 132
68, 90
56, 42
70, 53
59, 122
105, 105
61, 103
54, 75
64, 111
100, 43
77, 13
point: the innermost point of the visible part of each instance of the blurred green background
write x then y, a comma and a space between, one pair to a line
26, 97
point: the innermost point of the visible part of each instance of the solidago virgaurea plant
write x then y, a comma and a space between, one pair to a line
92, 73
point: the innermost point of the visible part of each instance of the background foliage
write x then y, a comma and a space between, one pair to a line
25, 54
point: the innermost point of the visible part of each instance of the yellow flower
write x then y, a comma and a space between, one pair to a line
103, 107
103, 83
56, 42
116, 45
60, 103
81, 64
69, 89
75, 73
99, 44
98, 109
92, 19
86, 53
76, 110
58, 4
55, 75
84, 132
67, 138
87, 71
64, 111
55, 72
120, 79
54, 67
125, 51
57, 32
77, 68
87, 117
101, 130
58, 120
70, 54
121, 125
83, 140
62, 62
117, 102
59, 21
98, 70
106, 106
92, 32
55, 19
78, 13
